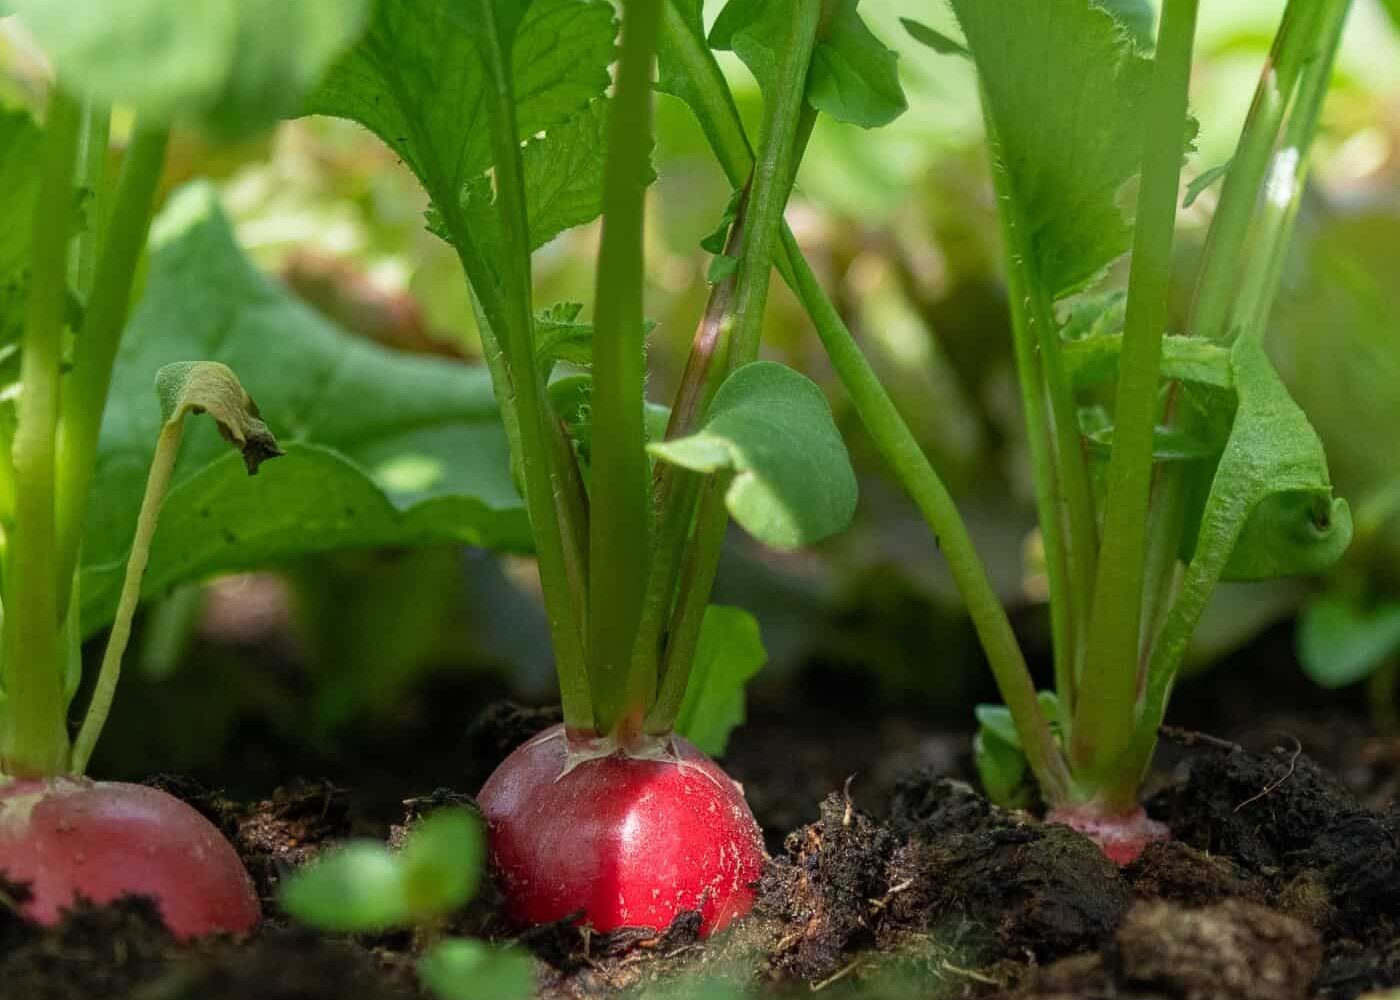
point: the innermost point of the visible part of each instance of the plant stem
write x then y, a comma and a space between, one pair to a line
677, 490
1313, 60
550, 498
697, 579
714, 107
85, 393
1045, 473
619, 544
900, 448
784, 125
34, 741
92, 173
1218, 285
157, 485
1105, 713
1287, 175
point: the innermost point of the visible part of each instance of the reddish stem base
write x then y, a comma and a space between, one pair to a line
1122, 838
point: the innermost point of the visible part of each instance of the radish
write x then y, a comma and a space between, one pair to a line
68, 838
73, 838
627, 840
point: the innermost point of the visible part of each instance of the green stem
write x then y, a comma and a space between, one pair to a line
92, 174
157, 484
1049, 496
697, 580
783, 127
1315, 60
901, 449
1218, 285
619, 546
34, 741
550, 499
1072, 492
1287, 175
1105, 713
717, 113
85, 392
677, 491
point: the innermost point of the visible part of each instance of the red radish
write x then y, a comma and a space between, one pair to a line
629, 841
1121, 838
72, 837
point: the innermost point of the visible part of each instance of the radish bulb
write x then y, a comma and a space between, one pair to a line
624, 840
72, 838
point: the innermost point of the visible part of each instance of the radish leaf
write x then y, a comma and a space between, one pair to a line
1270, 509
467, 969
729, 654
771, 428
427, 99
854, 77
231, 67
1066, 158
1341, 641
382, 448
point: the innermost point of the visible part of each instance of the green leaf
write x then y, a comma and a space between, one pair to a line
935, 40
1204, 180
356, 888
563, 183
772, 428
1003, 771
1270, 510
1065, 168
1341, 641
382, 448
441, 862
996, 751
232, 67
1094, 359
1139, 17
464, 969
416, 80
559, 336
730, 652
1271, 490
755, 31
189, 387
854, 77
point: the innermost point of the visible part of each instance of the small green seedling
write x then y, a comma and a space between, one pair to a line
364, 887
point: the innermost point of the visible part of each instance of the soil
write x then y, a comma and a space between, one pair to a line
891, 877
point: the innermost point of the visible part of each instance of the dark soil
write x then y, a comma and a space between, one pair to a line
1282, 883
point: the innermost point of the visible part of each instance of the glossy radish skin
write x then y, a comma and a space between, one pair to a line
629, 842
1121, 838
71, 837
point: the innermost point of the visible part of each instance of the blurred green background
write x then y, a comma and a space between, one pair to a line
901, 224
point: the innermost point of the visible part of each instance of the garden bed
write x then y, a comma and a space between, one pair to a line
890, 877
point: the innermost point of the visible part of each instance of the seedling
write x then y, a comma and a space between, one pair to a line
363, 887
67, 836
1201, 426
612, 817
